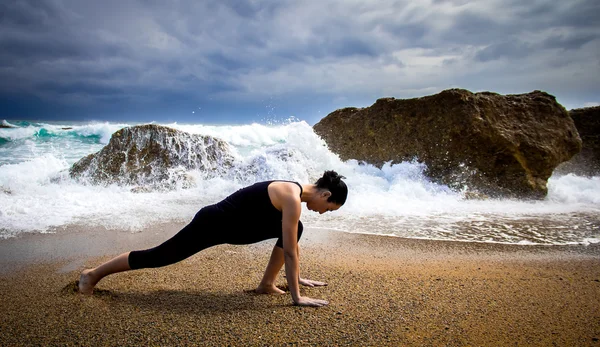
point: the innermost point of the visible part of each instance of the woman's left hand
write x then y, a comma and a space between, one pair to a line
311, 283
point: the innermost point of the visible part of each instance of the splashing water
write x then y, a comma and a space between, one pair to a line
37, 195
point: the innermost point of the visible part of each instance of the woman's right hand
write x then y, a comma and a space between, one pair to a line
306, 301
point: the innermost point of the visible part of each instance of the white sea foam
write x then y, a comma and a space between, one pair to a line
6, 124
252, 135
572, 189
18, 133
103, 130
36, 193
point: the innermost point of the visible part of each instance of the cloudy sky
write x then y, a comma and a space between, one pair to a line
245, 61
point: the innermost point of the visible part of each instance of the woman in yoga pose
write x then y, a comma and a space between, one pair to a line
258, 212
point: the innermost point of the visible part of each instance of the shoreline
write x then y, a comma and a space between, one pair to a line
98, 241
384, 291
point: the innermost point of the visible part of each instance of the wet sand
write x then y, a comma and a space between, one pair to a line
383, 291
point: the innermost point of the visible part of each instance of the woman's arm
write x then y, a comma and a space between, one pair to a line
291, 209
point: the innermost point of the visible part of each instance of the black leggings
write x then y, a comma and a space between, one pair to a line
204, 231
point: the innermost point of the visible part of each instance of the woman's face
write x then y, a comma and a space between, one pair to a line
320, 203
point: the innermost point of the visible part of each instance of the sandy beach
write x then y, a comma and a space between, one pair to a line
383, 291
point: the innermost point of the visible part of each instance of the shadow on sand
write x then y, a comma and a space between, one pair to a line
188, 302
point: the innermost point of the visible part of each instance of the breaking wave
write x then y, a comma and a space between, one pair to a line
37, 194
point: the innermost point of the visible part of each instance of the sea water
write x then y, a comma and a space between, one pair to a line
37, 194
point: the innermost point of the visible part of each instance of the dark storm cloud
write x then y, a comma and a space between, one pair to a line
29, 14
568, 42
29, 32
581, 14
510, 49
512, 20
199, 52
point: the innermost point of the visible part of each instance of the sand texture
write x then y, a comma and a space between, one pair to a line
383, 291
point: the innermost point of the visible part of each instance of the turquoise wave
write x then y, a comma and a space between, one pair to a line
40, 133
44, 133
19, 123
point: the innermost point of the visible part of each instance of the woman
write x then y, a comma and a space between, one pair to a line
261, 211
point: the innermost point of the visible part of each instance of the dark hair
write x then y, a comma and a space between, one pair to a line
333, 182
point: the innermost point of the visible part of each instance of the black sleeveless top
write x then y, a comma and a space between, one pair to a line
251, 216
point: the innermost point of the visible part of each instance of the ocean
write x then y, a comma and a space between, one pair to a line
38, 196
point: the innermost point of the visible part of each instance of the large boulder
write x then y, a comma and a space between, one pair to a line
586, 162
485, 142
153, 156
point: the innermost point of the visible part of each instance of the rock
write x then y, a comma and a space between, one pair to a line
273, 161
586, 162
474, 195
153, 156
140, 189
6, 125
501, 146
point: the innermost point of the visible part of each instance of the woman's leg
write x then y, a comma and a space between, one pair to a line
89, 277
267, 285
187, 242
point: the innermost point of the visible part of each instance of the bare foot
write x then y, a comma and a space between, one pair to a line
268, 290
86, 282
